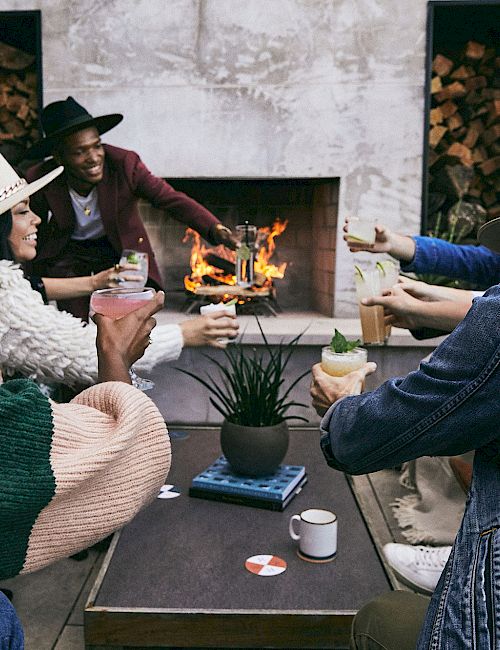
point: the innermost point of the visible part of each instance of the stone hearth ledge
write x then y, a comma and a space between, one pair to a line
318, 329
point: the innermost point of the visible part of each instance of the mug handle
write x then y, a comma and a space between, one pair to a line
291, 530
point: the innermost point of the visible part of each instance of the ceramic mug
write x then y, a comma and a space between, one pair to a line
317, 534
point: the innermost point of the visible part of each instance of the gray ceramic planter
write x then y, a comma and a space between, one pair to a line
254, 451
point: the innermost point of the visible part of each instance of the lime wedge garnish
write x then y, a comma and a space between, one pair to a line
354, 238
133, 259
380, 267
243, 252
358, 271
231, 302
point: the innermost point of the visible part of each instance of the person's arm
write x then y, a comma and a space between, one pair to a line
403, 310
401, 247
163, 196
476, 264
435, 292
65, 288
37, 340
448, 406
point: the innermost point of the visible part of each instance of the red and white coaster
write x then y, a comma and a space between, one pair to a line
265, 565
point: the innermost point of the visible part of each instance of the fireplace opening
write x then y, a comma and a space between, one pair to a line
461, 186
304, 248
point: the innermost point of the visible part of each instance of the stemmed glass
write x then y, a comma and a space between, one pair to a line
130, 256
116, 303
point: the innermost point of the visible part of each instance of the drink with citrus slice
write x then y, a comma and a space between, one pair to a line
361, 231
338, 364
372, 318
140, 260
389, 272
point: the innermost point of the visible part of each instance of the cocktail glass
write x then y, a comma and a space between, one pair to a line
388, 269
117, 303
372, 318
130, 256
338, 364
361, 231
219, 306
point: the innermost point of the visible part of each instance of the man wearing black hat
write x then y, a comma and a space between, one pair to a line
90, 215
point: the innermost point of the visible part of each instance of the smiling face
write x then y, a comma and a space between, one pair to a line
22, 238
82, 155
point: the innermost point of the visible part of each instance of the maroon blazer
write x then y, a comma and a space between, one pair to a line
126, 179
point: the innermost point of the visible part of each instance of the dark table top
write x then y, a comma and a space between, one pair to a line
188, 553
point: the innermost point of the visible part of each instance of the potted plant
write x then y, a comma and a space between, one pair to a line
249, 392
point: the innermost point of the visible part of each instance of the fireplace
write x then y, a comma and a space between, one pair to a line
307, 245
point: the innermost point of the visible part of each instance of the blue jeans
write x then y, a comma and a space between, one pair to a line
11, 632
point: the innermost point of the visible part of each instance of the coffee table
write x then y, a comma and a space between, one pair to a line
175, 576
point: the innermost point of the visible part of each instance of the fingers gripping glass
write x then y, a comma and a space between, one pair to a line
116, 303
136, 278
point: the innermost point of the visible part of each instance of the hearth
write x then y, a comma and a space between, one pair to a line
304, 257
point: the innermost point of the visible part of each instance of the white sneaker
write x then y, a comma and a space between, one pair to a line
418, 566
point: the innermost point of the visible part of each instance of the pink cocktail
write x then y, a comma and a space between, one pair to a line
116, 303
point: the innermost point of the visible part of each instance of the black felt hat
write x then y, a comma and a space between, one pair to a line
65, 117
489, 235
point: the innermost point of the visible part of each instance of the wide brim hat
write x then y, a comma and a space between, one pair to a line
14, 189
65, 117
489, 235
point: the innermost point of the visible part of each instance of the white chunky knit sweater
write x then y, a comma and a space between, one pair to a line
48, 345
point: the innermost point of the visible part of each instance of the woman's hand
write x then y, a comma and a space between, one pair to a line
400, 247
121, 342
400, 308
326, 390
207, 329
113, 277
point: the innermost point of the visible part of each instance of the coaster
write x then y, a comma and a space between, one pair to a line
313, 560
265, 565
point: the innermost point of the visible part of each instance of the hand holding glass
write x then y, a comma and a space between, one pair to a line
116, 303
141, 273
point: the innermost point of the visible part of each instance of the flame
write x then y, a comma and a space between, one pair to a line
200, 269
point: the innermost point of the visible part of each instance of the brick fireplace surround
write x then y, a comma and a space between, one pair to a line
307, 244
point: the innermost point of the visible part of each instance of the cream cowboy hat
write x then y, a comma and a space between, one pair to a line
14, 189
489, 235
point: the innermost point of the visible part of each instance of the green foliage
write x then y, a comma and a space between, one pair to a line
249, 388
340, 344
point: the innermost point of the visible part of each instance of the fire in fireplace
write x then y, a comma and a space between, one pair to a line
213, 275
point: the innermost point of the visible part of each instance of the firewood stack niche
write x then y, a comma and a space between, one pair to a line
18, 100
464, 142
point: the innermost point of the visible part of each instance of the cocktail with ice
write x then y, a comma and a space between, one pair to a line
228, 307
388, 270
141, 261
117, 303
338, 364
360, 231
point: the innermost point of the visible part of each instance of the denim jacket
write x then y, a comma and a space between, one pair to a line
474, 263
450, 405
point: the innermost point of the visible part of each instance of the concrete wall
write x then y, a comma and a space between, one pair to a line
256, 88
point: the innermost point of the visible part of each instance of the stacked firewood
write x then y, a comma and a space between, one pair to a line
464, 137
18, 96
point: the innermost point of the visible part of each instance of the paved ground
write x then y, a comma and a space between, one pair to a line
50, 603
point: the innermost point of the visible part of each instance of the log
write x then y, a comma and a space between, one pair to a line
475, 83
475, 129
462, 152
490, 166
493, 111
474, 50
436, 116
448, 109
451, 91
454, 122
479, 154
441, 65
463, 72
436, 85
221, 263
488, 137
435, 135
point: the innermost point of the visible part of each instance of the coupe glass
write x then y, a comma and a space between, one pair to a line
130, 256
116, 303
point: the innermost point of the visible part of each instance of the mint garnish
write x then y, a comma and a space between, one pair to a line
340, 344
133, 259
